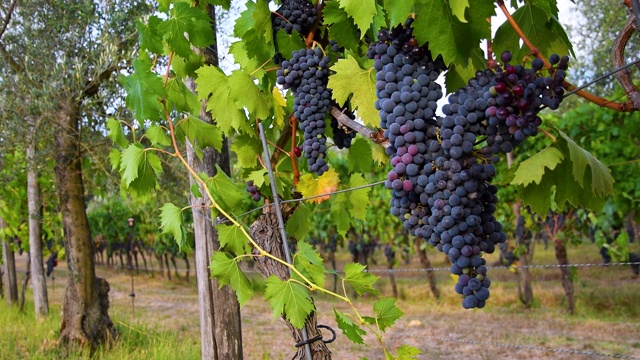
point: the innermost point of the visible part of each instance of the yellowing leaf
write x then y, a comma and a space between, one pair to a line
326, 183
279, 103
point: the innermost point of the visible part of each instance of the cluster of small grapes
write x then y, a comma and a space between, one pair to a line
342, 135
307, 74
253, 190
439, 189
295, 15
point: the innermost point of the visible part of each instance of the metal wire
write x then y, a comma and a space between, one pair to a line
546, 266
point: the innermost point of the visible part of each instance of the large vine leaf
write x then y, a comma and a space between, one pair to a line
352, 331
350, 80
255, 29
309, 262
557, 177
545, 32
144, 88
189, 20
215, 87
289, 298
150, 38
326, 183
397, 10
224, 267
172, 222
386, 313
224, 191
116, 134
359, 279
232, 239
341, 28
358, 199
199, 132
361, 11
140, 168
299, 223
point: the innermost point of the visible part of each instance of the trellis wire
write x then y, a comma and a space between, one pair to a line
601, 77
545, 266
531, 347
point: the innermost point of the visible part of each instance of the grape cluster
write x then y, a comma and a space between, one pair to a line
342, 136
253, 190
295, 15
307, 74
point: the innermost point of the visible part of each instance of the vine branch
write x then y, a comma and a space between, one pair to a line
373, 135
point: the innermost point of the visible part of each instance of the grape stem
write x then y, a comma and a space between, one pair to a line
373, 135
547, 134
294, 160
622, 107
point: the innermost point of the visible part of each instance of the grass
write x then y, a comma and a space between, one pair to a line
23, 338
166, 325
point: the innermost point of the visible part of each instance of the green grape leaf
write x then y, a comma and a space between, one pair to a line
600, 176
224, 267
350, 80
299, 223
225, 4
359, 279
458, 74
309, 262
458, 7
195, 190
359, 156
247, 63
340, 216
224, 190
116, 134
244, 91
550, 8
358, 199
158, 136
172, 222
289, 298
454, 40
379, 20
545, 32
192, 21
407, 352
258, 177
361, 11
199, 132
181, 97
255, 29
212, 81
342, 28
139, 168
150, 38
386, 313
246, 148
352, 331
477, 14
144, 88
114, 158
533, 169
232, 239
398, 10
186, 67
288, 43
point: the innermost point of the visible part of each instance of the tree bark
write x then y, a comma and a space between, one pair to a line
85, 318
40, 297
425, 263
265, 232
9, 274
567, 283
25, 282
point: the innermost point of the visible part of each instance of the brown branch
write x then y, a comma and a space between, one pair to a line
617, 56
622, 107
373, 135
7, 19
92, 86
286, 135
314, 27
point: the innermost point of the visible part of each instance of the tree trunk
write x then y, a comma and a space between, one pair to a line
265, 232
85, 318
392, 279
431, 275
9, 274
40, 298
25, 282
567, 282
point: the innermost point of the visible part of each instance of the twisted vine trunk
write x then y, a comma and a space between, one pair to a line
525, 290
426, 263
265, 232
85, 318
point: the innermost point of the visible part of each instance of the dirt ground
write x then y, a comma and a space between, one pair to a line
441, 329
